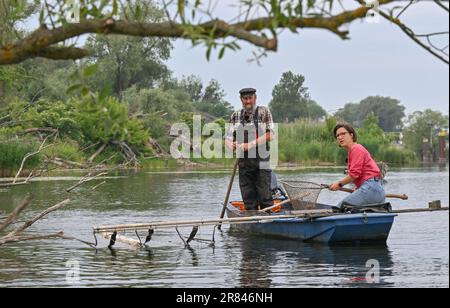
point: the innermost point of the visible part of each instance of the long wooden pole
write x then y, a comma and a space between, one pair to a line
242, 220
230, 186
203, 222
394, 196
348, 190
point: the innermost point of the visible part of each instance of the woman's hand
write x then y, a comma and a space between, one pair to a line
335, 187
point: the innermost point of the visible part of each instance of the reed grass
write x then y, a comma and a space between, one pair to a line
12, 154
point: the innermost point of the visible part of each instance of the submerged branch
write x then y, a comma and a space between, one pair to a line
16, 213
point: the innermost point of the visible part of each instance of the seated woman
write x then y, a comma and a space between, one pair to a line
362, 170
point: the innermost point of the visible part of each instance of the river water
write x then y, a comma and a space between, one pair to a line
416, 254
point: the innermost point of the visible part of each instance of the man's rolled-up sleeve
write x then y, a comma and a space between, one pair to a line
270, 126
230, 134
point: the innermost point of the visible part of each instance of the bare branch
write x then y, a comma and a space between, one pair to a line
432, 34
29, 178
15, 239
441, 5
410, 33
39, 130
65, 163
41, 147
86, 179
29, 223
16, 236
16, 213
406, 7
13, 184
97, 152
127, 152
97, 186
4, 118
99, 165
432, 45
89, 146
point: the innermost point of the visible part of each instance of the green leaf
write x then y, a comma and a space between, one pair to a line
85, 91
74, 88
181, 7
138, 12
222, 52
208, 53
115, 8
90, 70
41, 17
105, 92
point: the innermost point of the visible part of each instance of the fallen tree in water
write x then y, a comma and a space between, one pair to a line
18, 234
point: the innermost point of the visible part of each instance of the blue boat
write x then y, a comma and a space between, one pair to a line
348, 228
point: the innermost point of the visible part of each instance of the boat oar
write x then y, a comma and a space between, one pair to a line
393, 196
230, 186
274, 206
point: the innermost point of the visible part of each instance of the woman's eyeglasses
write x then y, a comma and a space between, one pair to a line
341, 135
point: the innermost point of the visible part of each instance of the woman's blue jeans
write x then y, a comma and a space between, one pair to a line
371, 192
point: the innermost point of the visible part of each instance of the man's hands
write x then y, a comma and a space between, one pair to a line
245, 147
230, 144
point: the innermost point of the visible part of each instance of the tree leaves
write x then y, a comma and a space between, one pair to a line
389, 112
291, 100
90, 70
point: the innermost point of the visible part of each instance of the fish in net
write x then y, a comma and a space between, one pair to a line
303, 194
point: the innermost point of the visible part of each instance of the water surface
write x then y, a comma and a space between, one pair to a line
416, 254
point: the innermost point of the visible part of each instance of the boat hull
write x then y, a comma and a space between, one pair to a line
361, 228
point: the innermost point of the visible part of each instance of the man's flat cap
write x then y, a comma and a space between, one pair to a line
247, 91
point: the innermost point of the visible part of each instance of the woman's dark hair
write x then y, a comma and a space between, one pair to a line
349, 129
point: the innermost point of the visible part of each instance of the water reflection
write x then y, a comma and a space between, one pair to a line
264, 260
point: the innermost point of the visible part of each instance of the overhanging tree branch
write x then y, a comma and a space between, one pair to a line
41, 43
62, 53
410, 33
44, 42
438, 2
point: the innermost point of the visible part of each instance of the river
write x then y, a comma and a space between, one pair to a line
416, 254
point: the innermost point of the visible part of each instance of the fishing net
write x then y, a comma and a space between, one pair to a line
303, 195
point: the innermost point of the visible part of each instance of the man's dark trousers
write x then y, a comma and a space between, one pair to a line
255, 184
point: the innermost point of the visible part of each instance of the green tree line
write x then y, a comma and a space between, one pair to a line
124, 92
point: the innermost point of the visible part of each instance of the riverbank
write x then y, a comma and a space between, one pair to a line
302, 143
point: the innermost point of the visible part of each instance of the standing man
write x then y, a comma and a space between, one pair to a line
250, 132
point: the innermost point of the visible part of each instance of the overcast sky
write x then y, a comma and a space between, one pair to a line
378, 60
